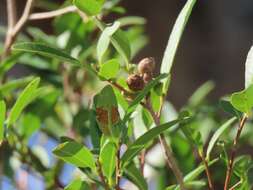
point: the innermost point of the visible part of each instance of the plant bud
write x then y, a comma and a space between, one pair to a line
135, 82
146, 65
147, 77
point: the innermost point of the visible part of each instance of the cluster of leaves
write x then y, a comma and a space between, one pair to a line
77, 96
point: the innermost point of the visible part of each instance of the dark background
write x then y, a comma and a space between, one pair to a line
214, 45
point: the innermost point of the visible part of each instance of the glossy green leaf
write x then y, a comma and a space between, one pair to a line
109, 69
14, 84
243, 100
143, 141
2, 118
90, 7
108, 159
45, 50
249, 69
104, 40
76, 154
174, 39
77, 184
217, 134
136, 177
23, 100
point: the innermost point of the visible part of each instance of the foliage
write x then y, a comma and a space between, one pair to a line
77, 97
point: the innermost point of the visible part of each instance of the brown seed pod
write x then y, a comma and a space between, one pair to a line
147, 77
146, 65
135, 82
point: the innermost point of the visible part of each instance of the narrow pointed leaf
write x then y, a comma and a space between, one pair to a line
143, 141
23, 100
174, 39
217, 134
45, 50
90, 7
136, 177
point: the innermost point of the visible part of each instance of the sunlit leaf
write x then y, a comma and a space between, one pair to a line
174, 39
249, 69
75, 153
90, 7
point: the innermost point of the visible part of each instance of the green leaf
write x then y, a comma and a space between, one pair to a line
228, 107
200, 94
23, 100
76, 154
109, 69
131, 20
135, 176
249, 69
9, 62
191, 185
2, 118
106, 98
90, 7
45, 50
8, 87
175, 36
217, 134
30, 124
77, 184
104, 40
243, 100
144, 93
119, 41
143, 141
190, 177
108, 159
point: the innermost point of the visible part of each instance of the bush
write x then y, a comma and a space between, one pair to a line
107, 116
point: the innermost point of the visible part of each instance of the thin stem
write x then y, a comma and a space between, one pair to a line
118, 169
233, 152
142, 161
235, 185
102, 177
14, 30
52, 14
209, 178
171, 161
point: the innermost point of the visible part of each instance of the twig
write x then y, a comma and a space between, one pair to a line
209, 178
14, 30
118, 169
235, 185
101, 175
171, 161
233, 152
52, 14
142, 161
